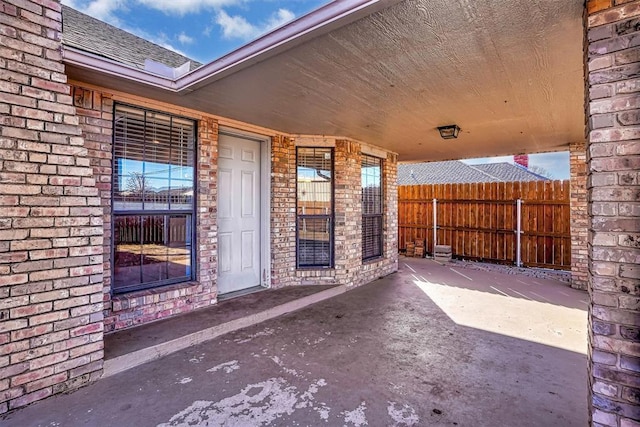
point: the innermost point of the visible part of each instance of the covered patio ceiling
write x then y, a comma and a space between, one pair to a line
509, 73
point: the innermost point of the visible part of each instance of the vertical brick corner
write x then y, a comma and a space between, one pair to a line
51, 221
579, 215
613, 155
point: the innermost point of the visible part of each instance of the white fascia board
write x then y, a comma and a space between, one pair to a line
331, 16
86, 60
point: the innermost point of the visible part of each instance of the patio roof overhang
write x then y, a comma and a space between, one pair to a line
509, 73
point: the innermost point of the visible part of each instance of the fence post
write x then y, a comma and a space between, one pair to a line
518, 232
435, 226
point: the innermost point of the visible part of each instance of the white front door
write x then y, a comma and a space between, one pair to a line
238, 213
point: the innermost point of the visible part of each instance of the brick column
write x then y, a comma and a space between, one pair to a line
348, 211
207, 211
283, 211
579, 215
614, 197
51, 229
391, 211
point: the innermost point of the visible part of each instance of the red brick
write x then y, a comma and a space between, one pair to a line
70, 302
11, 393
30, 332
49, 296
32, 353
13, 257
86, 349
71, 323
30, 398
14, 347
46, 382
48, 274
49, 360
49, 253
30, 310
72, 363
8, 9
29, 266
48, 317
15, 279
13, 370
88, 329
72, 343
53, 337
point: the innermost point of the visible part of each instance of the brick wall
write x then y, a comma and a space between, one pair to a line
348, 211
579, 215
283, 211
55, 216
50, 217
614, 193
349, 268
95, 112
373, 270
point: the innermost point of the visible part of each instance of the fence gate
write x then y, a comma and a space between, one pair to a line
479, 221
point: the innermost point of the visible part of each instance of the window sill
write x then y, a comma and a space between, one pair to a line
149, 296
315, 272
375, 260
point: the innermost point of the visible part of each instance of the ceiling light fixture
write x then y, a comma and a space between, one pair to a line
449, 131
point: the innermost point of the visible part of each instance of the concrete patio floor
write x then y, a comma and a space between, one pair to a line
430, 345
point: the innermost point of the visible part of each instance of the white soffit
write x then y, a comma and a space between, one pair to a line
509, 73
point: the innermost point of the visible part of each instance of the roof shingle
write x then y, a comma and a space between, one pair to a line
91, 35
457, 172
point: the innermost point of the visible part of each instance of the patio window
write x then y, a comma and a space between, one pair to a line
372, 205
153, 205
314, 209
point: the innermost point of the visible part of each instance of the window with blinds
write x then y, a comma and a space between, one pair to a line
314, 223
372, 207
153, 198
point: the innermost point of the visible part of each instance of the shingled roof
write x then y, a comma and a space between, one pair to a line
457, 172
509, 172
91, 35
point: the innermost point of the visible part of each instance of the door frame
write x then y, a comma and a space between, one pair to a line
265, 198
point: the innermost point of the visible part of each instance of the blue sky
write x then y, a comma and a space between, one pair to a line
556, 164
203, 30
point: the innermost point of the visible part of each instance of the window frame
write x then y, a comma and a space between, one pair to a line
191, 214
331, 216
379, 216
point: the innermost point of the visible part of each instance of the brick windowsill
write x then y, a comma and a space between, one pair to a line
313, 272
152, 295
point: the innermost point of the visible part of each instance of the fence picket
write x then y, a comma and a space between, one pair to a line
478, 220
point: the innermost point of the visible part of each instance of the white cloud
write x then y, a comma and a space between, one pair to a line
185, 39
99, 9
104, 9
282, 16
183, 7
237, 27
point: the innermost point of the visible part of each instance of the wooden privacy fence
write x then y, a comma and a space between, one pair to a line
480, 221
